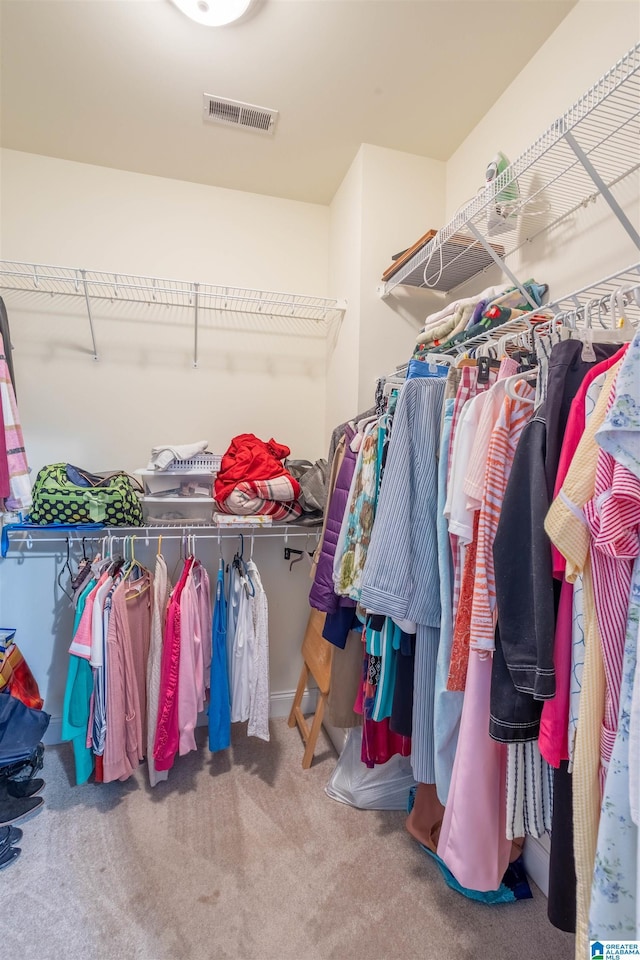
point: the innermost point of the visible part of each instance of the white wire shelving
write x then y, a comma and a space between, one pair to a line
583, 155
601, 305
26, 537
278, 312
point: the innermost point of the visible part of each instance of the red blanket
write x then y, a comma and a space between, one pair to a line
251, 459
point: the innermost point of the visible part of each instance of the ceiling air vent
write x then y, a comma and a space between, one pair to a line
234, 113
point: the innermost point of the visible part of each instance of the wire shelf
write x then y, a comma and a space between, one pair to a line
600, 303
127, 288
248, 310
545, 185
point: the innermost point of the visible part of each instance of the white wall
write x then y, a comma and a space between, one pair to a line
59, 212
345, 254
381, 208
144, 390
591, 244
403, 197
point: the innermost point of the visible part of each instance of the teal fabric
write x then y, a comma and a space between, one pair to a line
502, 895
77, 697
391, 638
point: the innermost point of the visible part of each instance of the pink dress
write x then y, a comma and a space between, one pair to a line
473, 840
167, 741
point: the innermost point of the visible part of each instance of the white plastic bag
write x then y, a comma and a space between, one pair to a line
385, 787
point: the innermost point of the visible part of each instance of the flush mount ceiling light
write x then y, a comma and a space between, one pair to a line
213, 13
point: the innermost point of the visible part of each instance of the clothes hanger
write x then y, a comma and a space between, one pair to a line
510, 383
221, 557
66, 566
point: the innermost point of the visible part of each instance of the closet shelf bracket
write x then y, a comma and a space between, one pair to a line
602, 188
505, 269
83, 273
196, 295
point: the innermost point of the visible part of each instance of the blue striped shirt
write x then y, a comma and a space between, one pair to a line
401, 577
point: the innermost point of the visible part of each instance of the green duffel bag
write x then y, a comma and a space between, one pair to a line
58, 498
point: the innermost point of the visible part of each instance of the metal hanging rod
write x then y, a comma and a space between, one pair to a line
28, 537
114, 288
582, 156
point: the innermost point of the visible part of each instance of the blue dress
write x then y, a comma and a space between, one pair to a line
219, 703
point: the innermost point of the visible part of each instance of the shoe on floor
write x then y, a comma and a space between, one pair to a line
14, 808
24, 769
24, 788
9, 856
10, 835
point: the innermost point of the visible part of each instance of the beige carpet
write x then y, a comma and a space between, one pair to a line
242, 857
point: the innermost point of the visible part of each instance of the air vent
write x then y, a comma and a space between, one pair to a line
234, 113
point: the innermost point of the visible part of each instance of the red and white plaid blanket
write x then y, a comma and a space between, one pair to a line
273, 498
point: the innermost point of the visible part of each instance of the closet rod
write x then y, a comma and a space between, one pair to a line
29, 537
95, 535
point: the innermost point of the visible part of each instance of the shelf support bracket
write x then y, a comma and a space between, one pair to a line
505, 269
196, 292
83, 274
604, 190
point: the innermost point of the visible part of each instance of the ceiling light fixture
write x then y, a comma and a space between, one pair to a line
213, 13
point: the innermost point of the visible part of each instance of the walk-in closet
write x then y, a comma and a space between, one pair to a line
319, 479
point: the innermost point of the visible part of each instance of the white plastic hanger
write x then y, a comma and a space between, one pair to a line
510, 383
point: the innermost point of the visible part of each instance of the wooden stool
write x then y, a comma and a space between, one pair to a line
316, 654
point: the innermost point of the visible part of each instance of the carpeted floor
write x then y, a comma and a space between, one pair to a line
241, 857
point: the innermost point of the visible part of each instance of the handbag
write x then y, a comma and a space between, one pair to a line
314, 480
66, 494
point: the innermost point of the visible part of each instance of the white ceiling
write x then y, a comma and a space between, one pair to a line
120, 83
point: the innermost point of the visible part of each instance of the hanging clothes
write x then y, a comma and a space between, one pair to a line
219, 700
162, 590
405, 530
167, 740
250, 664
475, 803
355, 534
258, 725
17, 466
77, 698
128, 641
191, 665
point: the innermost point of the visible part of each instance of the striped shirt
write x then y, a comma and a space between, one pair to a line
467, 390
613, 516
502, 447
400, 577
567, 529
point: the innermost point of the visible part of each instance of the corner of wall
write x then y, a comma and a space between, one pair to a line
345, 253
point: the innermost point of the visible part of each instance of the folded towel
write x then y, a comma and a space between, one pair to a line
162, 456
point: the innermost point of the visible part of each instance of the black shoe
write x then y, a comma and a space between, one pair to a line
12, 808
10, 835
23, 788
9, 856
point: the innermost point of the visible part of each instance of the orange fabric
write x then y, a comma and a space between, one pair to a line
16, 675
461, 632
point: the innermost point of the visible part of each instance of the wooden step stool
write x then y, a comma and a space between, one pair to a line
316, 655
